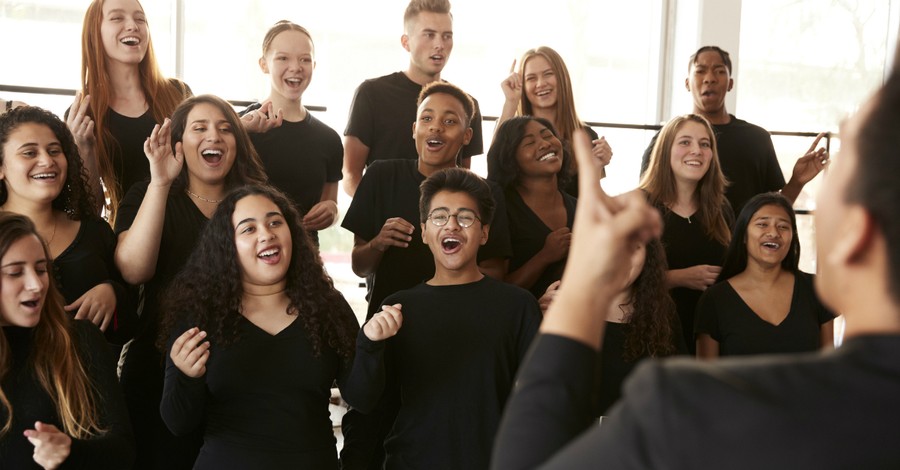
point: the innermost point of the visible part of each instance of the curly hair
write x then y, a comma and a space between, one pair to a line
503, 166
208, 291
75, 199
649, 331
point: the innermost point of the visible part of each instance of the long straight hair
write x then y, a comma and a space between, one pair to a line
54, 358
162, 95
659, 179
566, 117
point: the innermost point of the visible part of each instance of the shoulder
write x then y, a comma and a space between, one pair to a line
746, 127
382, 81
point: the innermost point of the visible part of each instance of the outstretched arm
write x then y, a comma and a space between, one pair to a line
807, 167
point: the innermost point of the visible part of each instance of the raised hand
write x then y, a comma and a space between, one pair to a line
811, 163
97, 305
384, 324
164, 164
263, 119
80, 124
601, 150
512, 85
190, 353
395, 232
51, 446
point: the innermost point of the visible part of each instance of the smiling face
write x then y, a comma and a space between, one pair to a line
691, 152
209, 145
708, 82
540, 83
455, 248
124, 32
290, 61
34, 165
429, 41
440, 132
23, 282
263, 241
540, 152
769, 236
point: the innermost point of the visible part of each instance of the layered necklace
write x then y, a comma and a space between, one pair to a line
211, 201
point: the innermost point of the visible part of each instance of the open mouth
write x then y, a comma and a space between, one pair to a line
44, 176
212, 156
437, 57
548, 156
450, 245
271, 255
434, 144
130, 41
771, 245
543, 93
31, 303
693, 163
294, 82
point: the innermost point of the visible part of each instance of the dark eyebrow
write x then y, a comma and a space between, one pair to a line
251, 219
23, 263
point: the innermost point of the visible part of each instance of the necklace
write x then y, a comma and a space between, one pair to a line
211, 201
53, 235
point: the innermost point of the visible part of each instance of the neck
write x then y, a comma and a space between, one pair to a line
686, 195
428, 170
417, 76
260, 297
544, 186
125, 79
548, 114
213, 192
453, 277
620, 307
719, 116
764, 275
41, 213
293, 109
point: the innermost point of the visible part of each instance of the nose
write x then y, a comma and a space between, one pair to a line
265, 234
709, 77
213, 135
44, 158
33, 281
453, 223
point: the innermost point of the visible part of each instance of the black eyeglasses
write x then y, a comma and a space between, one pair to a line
465, 218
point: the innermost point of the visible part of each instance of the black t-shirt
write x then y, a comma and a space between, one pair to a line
256, 411
390, 188
527, 234
130, 165
453, 363
687, 244
30, 402
382, 115
748, 161
723, 315
88, 262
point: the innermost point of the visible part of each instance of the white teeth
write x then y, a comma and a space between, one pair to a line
131, 41
295, 81
211, 153
41, 176
547, 156
693, 163
269, 253
771, 245
434, 142
543, 93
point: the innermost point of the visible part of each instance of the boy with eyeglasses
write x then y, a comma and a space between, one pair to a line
450, 346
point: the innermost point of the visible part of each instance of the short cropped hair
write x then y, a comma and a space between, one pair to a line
726, 57
457, 180
418, 6
452, 90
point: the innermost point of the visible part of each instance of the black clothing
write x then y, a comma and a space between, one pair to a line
723, 315
299, 158
571, 187
527, 234
142, 371
687, 244
263, 403
383, 112
612, 369
30, 402
389, 189
452, 366
126, 151
88, 262
811, 410
748, 161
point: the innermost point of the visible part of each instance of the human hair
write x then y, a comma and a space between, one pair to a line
726, 57
874, 183
162, 95
418, 6
503, 166
248, 168
457, 180
208, 291
649, 331
452, 90
566, 116
659, 180
736, 255
54, 360
280, 27
75, 199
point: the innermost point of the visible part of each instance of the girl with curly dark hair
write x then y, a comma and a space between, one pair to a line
528, 160
256, 335
43, 178
195, 159
640, 323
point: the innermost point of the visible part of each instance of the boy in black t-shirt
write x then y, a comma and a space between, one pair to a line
453, 396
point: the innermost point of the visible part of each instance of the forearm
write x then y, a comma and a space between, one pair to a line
675, 278
364, 386
138, 248
494, 267
356, 154
183, 401
365, 258
792, 190
528, 274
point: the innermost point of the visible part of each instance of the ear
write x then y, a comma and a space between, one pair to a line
730, 84
687, 84
468, 136
422, 225
485, 230
414, 128
263, 65
856, 239
404, 41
